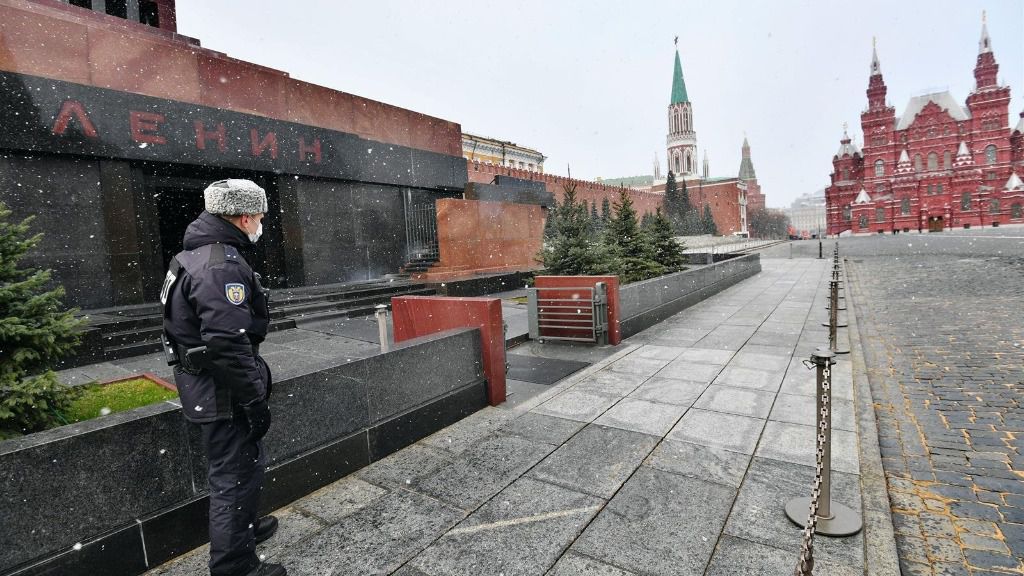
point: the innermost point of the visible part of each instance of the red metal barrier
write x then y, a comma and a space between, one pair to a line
556, 287
416, 316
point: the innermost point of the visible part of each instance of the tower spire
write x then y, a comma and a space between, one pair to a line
678, 85
985, 43
876, 66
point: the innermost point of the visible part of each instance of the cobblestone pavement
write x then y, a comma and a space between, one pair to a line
673, 456
942, 324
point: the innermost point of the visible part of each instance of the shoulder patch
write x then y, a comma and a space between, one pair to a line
235, 293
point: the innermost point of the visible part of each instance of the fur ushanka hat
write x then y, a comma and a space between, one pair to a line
234, 196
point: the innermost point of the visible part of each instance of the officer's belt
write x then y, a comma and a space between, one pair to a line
191, 368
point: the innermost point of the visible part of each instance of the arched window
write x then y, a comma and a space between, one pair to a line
905, 206
990, 154
1015, 210
917, 162
846, 174
847, 214
965, 201
993, 206
679, 168
689, 164
947, 160
879, 167
933, 161
863, 220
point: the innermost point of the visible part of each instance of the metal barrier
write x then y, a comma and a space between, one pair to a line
576, 314
823, 515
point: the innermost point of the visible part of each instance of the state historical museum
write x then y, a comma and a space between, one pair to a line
937, 167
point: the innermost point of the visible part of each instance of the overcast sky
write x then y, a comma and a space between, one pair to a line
588, 83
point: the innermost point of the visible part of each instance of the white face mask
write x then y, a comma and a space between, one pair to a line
256, 235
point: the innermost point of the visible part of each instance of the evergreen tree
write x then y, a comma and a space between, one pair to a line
667, 251
606, 211
35, 332
709, 221
646, 221
671, 202
573, 249
630, 246
623, 234
595, 220
549, 221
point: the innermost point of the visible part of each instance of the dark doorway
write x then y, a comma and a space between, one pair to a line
935, 224
178, 200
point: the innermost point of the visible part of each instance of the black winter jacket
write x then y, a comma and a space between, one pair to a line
217, 302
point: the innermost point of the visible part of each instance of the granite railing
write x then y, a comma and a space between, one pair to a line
127, 492
644, 304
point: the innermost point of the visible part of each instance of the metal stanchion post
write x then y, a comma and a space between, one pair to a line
382, 326
819, 248
822, 515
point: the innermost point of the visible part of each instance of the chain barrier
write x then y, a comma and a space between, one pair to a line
823, 516
805, 566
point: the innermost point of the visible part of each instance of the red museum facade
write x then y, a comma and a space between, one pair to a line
939, 166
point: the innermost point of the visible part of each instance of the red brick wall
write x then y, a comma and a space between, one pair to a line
43, 38
585, 190
724, 199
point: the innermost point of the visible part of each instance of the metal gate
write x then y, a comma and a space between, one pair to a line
421, 231
578, 314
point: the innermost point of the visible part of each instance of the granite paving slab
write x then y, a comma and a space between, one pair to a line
610, 383
669, 391
802, 410
597, 460
652, 418
483, 470
693, 371
577, 405
541, 370
637, 365
706, 356
529, 515
405, 467
796, 443
573, 564
469, 430
518, 392
701, 462
374, 540
666, 353
759, 516
746, 358
718, 430
540, 428
755, 378
743, 401
659, 523
738, 557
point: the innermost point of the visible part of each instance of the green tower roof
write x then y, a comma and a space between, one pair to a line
678, 86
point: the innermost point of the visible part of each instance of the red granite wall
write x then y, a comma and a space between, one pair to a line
52, 40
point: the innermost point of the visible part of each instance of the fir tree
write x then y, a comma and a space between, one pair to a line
35, 332
595, 219
666, 250
671, 201
573, 249
606, 210
709, 221
630, 246
549, 221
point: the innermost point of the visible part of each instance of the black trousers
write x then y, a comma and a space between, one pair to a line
235, 474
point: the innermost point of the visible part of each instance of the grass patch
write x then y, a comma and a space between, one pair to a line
99, 400
520, 299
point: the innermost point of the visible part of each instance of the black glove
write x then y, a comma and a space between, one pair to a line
258, 415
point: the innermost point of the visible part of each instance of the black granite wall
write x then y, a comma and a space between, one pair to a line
64, 193
347, 231
136, 480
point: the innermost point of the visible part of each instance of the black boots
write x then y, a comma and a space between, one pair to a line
267, 569
265, 528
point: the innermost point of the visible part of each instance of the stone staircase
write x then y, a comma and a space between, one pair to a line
136, 330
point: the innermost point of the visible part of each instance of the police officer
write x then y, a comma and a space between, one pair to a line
215, 317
